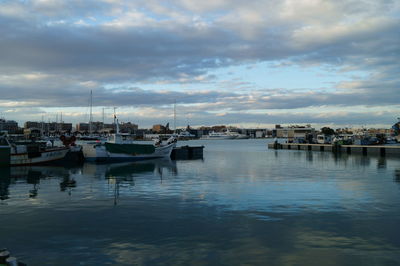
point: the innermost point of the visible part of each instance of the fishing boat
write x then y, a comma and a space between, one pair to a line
29, 153
117, 149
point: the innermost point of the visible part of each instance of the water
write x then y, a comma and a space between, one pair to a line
241, 205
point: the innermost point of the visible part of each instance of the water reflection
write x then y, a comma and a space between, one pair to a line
241, 205
116, 174
339, 159
4, 183
124, 174
67, 184
309, 155
397, 175
381, 163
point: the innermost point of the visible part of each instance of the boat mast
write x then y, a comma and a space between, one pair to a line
42, 126
103, 121
90, 115
116, 121
175, 116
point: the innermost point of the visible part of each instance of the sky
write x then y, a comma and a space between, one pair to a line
249, 63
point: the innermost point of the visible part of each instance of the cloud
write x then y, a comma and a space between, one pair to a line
53, 52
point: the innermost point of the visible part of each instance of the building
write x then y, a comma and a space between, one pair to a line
219, 128
380, 131
292, 132
32, 124
100, 127
128, 127
160, 128
66, 127
10, 126
254, 132
47, 128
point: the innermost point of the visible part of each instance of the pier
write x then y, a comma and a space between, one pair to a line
379, 150
187, 152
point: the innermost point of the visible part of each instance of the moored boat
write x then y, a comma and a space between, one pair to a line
185, 135
218, 135
31, 153
237, 135
118, 149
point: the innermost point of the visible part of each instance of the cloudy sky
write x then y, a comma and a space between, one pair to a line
246, 63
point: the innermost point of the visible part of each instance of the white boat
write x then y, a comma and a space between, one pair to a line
218, 135
118, 149
185, 135
237, 135
324, 139
31, 153
390, 140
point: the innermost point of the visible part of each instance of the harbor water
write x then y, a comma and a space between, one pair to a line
242, 204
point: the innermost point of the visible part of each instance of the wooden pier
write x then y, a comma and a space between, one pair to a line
379, 150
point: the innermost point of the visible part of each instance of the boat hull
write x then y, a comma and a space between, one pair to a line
99, 153
47, 156
5, 155
218, 137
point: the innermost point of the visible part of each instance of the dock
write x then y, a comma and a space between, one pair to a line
187, 153
379, 150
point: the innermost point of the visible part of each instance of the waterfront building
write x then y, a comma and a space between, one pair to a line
158, 128
96, 127
128, 127
161, 129
294, 131
254, 132
10, 126
219, 128
380, 131
101, 127
259, 134
33, 124
47, 128
32, 132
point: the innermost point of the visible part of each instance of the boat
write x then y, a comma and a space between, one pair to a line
218, 135
185, 135
117, 149
390, 140
91, 136
30, 153
236, 135
324, 139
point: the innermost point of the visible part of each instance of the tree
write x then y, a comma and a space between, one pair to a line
327, 131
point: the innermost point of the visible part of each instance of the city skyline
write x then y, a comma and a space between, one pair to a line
249, 64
